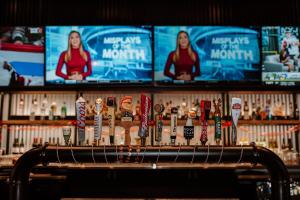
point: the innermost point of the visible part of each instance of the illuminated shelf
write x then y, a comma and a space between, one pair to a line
59, 122
268, 122
137, 123
240, 122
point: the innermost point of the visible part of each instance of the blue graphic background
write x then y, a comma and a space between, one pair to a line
118, 53
226, 53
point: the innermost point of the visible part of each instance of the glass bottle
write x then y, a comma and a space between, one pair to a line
291, 110
33, 110
21, 106
246, 110
22, 146
63, 111
253, 111
296, 112
44, 107
53, 109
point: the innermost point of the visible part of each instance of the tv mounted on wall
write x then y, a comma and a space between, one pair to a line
280, 55
21, 56
109, 55
224, 53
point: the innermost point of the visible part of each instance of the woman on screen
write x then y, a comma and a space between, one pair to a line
184, 59
75, 58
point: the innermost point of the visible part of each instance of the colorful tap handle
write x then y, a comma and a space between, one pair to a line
111, 102
81, 115
98, 119
205, 107
188, 130
174, 113
217, 116
127, 116
236, 106
159, 108
145, 112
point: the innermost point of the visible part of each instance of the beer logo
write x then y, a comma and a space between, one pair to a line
236, 106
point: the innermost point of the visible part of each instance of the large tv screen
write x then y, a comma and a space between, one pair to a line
206, 53
98, 54
280, 52
21, 56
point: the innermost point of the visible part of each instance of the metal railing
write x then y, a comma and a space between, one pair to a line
19, 181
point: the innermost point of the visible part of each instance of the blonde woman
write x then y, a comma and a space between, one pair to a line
75, 58
184, 59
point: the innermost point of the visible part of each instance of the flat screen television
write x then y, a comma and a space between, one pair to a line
280, 55
225, 53
21, 56
109, 55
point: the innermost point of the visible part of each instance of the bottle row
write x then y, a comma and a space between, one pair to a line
164, 127
254, 106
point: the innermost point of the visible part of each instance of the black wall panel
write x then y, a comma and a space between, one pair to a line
198, 12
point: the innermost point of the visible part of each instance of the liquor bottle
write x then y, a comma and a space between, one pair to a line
253, 116
198, 112
13, 149
268, 109
171, 104
50, 141
246, 111
63, 111
22, 146
180, 112
53, 108
41, 142
168, 110
194, 107
296, 112
44, 107
291, 110
258, 109
50, 117
33, 111
283, 146
57, 140
278, 110
35, 142
21, 106
217, 116
290, 144
16, 146
184, 108
284, 113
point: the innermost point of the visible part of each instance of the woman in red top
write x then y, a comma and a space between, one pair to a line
75, 58
184, 59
